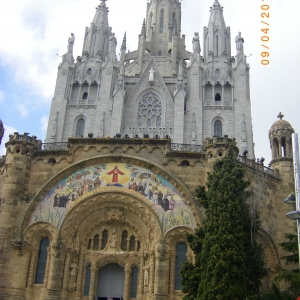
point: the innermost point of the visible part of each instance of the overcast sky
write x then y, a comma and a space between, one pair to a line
34, 31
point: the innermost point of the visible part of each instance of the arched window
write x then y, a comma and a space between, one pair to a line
87, 280
217, 97
150, 108
283, 147
159, 53
89, 71
42, 260
134, 279
181, 250
218, 128
124, 240
161, 21
132, 243
85, 96
104, 239
80, 127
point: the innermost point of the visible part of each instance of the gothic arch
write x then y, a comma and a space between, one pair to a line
133, 160
37, 231
75, 123
213, 121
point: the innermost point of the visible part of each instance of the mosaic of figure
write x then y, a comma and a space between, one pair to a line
169, 204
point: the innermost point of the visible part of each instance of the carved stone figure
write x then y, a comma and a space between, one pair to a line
113, 239
196, 43
151, 75
112, 42
239, 43
146, 275
73, 276
71, 41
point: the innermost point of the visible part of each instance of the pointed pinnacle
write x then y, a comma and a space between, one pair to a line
124, 42
144, 28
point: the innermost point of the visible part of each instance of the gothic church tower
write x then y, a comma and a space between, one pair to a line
158, 90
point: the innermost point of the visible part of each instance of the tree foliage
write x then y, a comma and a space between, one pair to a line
292, 277
228, 263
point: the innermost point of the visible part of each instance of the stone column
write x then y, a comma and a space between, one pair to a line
127, 272
232, 93
213, 94
54, 279
79, 292
31, 273
93, 282
172, 276
140, 279
151, 275
279, 148
66, 277
161, 283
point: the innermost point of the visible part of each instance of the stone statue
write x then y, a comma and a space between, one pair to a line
196, 43
239, 43
112, 43
146, 275
73, 275
151, 75
113, 240
71, 41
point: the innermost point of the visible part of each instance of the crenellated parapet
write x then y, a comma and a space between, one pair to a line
22, 143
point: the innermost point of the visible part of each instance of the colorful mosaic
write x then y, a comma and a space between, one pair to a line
171, 207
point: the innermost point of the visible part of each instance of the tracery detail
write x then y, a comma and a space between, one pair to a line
149, 111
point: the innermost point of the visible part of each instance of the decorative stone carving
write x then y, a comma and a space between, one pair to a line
239, 43
196, 43
151, 76
73, 276
161, 250
58, 247
71, 41
115, 215
146, 275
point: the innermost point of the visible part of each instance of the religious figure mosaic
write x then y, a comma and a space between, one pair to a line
169, 204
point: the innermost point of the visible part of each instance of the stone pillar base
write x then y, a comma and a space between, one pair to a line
12, 294
160, 297
52, 295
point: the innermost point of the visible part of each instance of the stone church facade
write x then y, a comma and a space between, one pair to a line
102, 208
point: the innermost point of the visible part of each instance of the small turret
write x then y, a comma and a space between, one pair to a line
280, 136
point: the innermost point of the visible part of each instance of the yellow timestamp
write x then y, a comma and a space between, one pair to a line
265, 38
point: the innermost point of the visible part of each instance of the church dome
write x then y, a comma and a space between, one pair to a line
281, 127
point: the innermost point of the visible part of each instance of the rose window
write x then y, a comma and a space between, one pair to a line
149, 111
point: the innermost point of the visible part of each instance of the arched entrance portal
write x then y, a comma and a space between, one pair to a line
110, 282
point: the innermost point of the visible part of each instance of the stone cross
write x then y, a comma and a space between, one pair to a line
280, 116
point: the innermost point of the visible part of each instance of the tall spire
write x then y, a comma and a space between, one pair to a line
143, 31
96, 37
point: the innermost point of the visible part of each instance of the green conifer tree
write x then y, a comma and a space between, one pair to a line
228, 263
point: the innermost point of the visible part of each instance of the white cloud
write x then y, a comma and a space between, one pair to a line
1, 96
8, 130
22, 109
